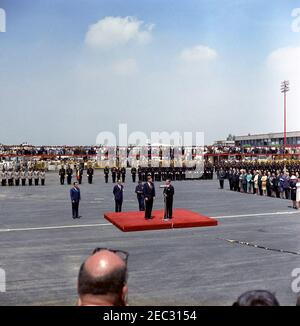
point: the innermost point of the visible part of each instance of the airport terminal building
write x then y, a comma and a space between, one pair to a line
271, 139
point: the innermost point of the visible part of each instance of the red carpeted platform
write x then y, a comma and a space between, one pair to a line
182, 218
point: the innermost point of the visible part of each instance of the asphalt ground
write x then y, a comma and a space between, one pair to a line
42, 247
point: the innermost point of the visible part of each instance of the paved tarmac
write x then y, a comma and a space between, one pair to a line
42, 247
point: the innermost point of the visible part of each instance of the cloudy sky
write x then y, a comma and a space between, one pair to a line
70, 69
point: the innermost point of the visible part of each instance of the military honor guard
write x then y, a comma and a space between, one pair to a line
23, 175
36, 177
113, 174
69, 172
90, 174
118, 171
43, 177
10, 177
118, 194
62, 175
106, 174
133, 174
17, 177
29, 176
79, 174
123, 173
3, 177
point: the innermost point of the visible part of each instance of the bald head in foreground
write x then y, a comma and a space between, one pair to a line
102, 279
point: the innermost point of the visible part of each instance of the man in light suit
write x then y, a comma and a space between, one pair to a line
118, 193
149, 195
75, 198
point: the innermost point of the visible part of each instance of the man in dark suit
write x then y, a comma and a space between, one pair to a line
139, 190
118, 193
149, 194
75, 198
168, 196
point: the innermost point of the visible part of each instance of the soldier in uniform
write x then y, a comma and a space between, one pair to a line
106, 174
123, 174
62, 174
133, 174
29, 175
36, 176
23, 177
113, 174
118, 171
17, 177
10, 177
140, 173
177, 174
90, 174
79, 173
3, 177
144, 173
69, 175
43, 177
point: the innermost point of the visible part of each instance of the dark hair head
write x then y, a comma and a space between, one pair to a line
111, 283
257, 298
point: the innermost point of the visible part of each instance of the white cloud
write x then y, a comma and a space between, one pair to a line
111, 32
285, 61
198, 53
125, 67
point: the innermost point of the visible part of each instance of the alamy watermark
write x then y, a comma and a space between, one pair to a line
159, 149
296, 22
2, 20
296, 280
2, 280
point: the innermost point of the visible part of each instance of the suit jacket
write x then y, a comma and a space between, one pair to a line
149, 192
169, 192
118, 192
75, 194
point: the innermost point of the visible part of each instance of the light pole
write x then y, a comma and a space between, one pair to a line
285, 87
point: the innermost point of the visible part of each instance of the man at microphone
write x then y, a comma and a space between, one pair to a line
168, 196
149, 195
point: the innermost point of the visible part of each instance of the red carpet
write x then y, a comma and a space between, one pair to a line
182, 218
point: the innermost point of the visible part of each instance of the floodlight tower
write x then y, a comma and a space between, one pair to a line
285, 87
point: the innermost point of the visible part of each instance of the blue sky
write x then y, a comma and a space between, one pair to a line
205, 61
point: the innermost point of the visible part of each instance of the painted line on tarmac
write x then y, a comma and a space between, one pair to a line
57, 227
258, 214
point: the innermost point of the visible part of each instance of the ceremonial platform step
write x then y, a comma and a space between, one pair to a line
135, 221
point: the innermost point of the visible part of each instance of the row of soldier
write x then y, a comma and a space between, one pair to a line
157, 173
78, 171
22, 177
